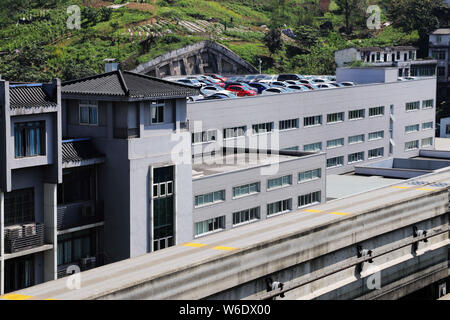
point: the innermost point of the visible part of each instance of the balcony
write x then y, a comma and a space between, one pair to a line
23, 237
126, 133
83, 265
79, 214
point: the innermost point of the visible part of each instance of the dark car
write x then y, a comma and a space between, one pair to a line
260, 87
284, 77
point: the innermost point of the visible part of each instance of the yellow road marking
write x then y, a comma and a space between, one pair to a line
195, 245
312, 211
340, 213
400, 187
15, 296
224, 248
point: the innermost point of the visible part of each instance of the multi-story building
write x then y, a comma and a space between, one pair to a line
30, 164
402, 57
128, 167
439, 49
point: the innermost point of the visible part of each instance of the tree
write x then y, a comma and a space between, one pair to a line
420, 15
306, 37
273, 40
353, 11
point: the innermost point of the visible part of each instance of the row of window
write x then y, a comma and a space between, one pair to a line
336, 143
414, 145
153, 112
254, 214
426, 104
416, 127
355, 158
253, 188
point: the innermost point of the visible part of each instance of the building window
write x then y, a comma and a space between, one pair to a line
209, 198
19, 273
247, 189
335, 117
376, 135
162, 190
356, 114
428, 104
312, 121
438, 54
376, 111
309, 199
262, 128
412, 145
335, 162
427, 125
290, 149
309, 175
288, 124
313, 147
209, 226
376, 153
279, 207
427, 142
89, 112
279, 182
411, 106
29, 139
398, 55
355, 157
234, 132
74, 246
412, 128
19, 207
157, 111
441, 71
356, 139
336, 143
205, 136
245, 216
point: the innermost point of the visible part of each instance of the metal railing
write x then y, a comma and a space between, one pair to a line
126, 133
22, 237
79, 214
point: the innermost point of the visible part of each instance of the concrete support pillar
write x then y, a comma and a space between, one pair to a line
219, 63
2, 242
50, 237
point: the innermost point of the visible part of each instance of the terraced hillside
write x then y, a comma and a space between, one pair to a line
36, 43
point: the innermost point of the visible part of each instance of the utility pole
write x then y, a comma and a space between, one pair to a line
260, 63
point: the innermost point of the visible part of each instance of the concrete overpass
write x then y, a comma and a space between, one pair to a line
382, 244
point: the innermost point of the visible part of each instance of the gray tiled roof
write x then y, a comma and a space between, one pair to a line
127, 84
78, 150
26, 96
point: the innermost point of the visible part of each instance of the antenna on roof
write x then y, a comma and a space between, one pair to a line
111, 65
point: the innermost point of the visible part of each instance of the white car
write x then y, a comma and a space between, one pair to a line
190, 82
210, 90
325, 86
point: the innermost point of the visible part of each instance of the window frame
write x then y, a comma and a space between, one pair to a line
90, 105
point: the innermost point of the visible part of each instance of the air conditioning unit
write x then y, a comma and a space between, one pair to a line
29, 229
13, 232
88, 261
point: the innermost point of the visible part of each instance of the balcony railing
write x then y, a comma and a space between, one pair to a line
79, 214
84, 264
22, 237
126, 133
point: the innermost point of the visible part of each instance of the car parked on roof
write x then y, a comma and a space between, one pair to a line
296, 87
325, 86
259, 86
284, 77
209, 90
217, 77
190, 82
276, 90
241, 90
348, 84
278, 84
220, 95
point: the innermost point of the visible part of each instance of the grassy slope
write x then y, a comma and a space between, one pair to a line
56, 51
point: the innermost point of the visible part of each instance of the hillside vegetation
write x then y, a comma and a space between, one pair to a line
37, 45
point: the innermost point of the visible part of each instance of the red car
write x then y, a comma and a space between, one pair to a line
241, 91
217, 76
